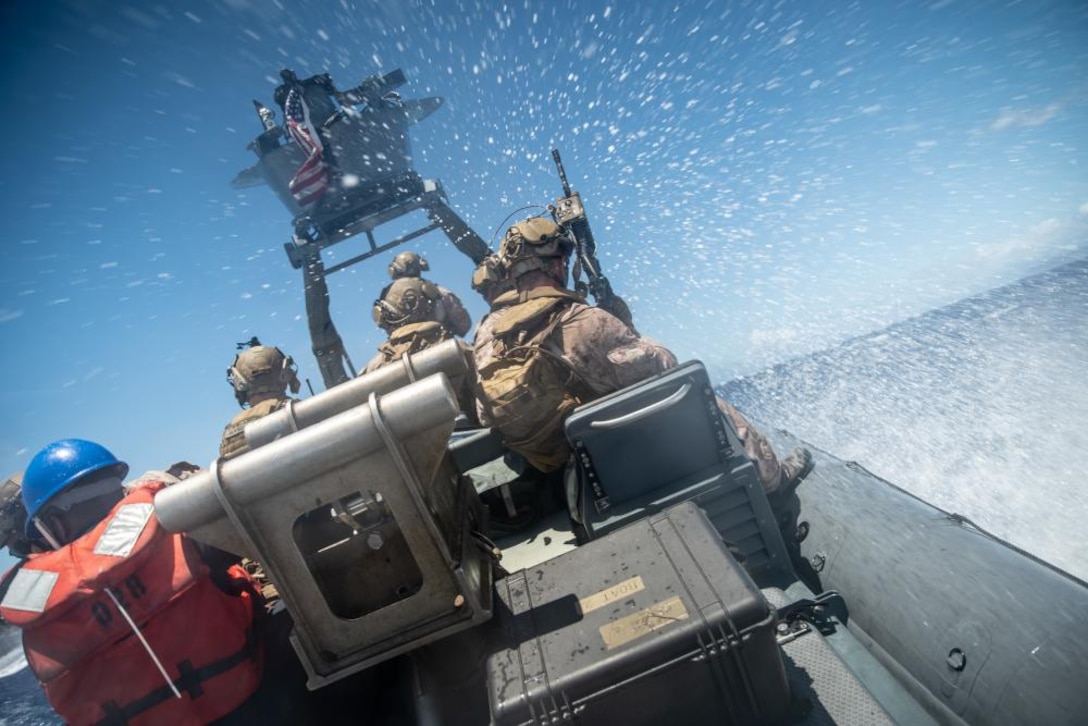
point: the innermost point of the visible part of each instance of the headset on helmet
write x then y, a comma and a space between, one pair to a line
262, 369
58, 467
490, 277
529, 244
491, 271
408, 264
406, 300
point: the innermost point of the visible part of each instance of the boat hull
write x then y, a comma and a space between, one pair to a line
986, 632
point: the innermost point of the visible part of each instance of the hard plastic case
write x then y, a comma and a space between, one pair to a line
654, 623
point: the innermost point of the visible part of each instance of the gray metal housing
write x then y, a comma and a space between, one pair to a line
361, 521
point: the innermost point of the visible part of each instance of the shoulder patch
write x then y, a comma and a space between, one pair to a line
124, 529
30, 590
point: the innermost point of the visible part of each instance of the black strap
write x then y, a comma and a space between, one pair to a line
190, 681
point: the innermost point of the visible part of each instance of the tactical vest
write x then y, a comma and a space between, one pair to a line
234, 439
77, 607
412, 338
528, 389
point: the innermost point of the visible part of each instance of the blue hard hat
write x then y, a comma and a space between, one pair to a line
60, 465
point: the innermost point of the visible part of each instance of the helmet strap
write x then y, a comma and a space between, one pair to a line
46, 533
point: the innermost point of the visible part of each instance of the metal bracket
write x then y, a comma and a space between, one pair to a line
808, 613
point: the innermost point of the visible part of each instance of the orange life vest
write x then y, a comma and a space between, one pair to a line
93, 667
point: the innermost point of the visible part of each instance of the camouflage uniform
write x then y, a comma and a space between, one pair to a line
605, 355
772, 473
233, 442
452, 314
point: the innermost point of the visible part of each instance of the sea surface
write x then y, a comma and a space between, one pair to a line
980, 407
22, 702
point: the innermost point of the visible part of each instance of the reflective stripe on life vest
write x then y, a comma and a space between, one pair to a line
30, 590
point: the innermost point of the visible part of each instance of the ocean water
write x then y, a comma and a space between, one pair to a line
22, 702
980, 408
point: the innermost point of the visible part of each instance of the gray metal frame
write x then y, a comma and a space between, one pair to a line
372, 146
451, 358
395, 445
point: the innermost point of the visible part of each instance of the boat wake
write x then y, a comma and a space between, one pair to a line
978, 408
11, 652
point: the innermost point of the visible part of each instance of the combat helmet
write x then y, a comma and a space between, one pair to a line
408, 264
530, 243
404, 301
262, 369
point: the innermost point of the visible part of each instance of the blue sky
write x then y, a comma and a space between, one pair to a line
764, 179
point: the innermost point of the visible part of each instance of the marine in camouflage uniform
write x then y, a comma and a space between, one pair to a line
260, 377
601, 353
448, 308
409, 310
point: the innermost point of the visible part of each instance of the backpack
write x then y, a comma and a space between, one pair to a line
411, 339
234, 436
529, 390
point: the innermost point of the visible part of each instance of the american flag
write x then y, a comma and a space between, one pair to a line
311, 180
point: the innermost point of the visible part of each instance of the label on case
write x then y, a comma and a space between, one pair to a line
611, 594
634, 626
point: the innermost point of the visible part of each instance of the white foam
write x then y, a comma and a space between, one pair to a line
12, 659
978, 409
